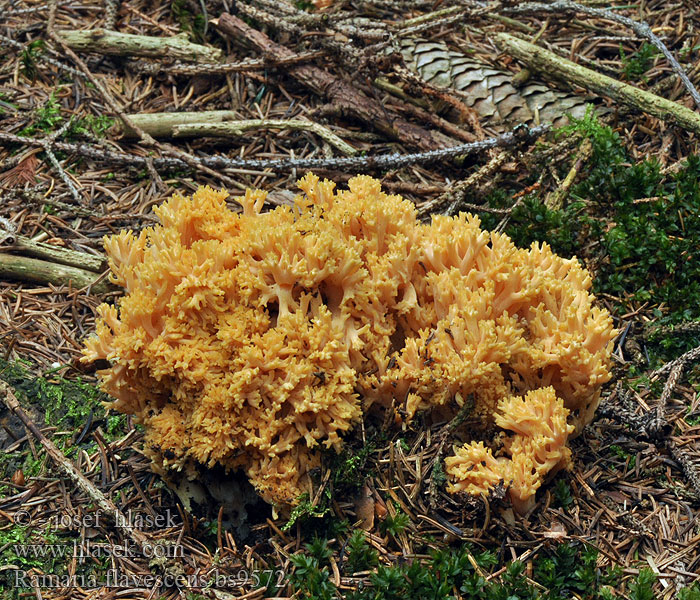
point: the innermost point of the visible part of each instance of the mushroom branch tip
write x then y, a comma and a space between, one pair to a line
255, 340
536, 450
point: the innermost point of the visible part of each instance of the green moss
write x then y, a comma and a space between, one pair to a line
27, 548
690, 593
192, 24
46, 118
116, 427
642, 588
306, 510
97, 125
562, 494
33, 466
315, 581
395, 525
635, 65
564, 230
649, 223
563, 572
318, 548
351, 467
29, 58
66, 402
360, 555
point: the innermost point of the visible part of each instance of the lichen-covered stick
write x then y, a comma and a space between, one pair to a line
640, 28
359, 164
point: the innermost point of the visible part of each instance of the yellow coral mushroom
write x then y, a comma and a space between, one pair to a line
254, 339
474, 470
537, 450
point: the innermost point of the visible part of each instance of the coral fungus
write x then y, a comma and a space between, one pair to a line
537, 449
253, 339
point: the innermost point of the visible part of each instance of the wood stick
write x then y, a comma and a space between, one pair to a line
555, 199
41, 271
235, 128
162, 124
341, 94
102, 41
64, 256
560, 7
345, 163
543, 60
222, 123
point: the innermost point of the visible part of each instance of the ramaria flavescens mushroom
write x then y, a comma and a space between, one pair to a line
538, 449
254, 339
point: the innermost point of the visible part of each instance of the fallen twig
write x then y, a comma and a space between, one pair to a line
359, 164
248, 64
237, 128
438, 18
555, 199
352, 56
64, 256
454, 196
111, 12
162, 124
47, 144
103, 41
45, 272
468, 114
61, 173
640, 28
683, 359
420, 110
548, 62
686, 463
223, 123
660, 417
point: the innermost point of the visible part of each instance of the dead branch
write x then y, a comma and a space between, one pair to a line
347, 98
237, 128
44, 272
454, 196
640, 28
686, 463
64, 256
683, 359
103, 41
438, 18
359, 164
547, 62
555, 199
223, 123
47, 145
111, 12
247, 64
163, 124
